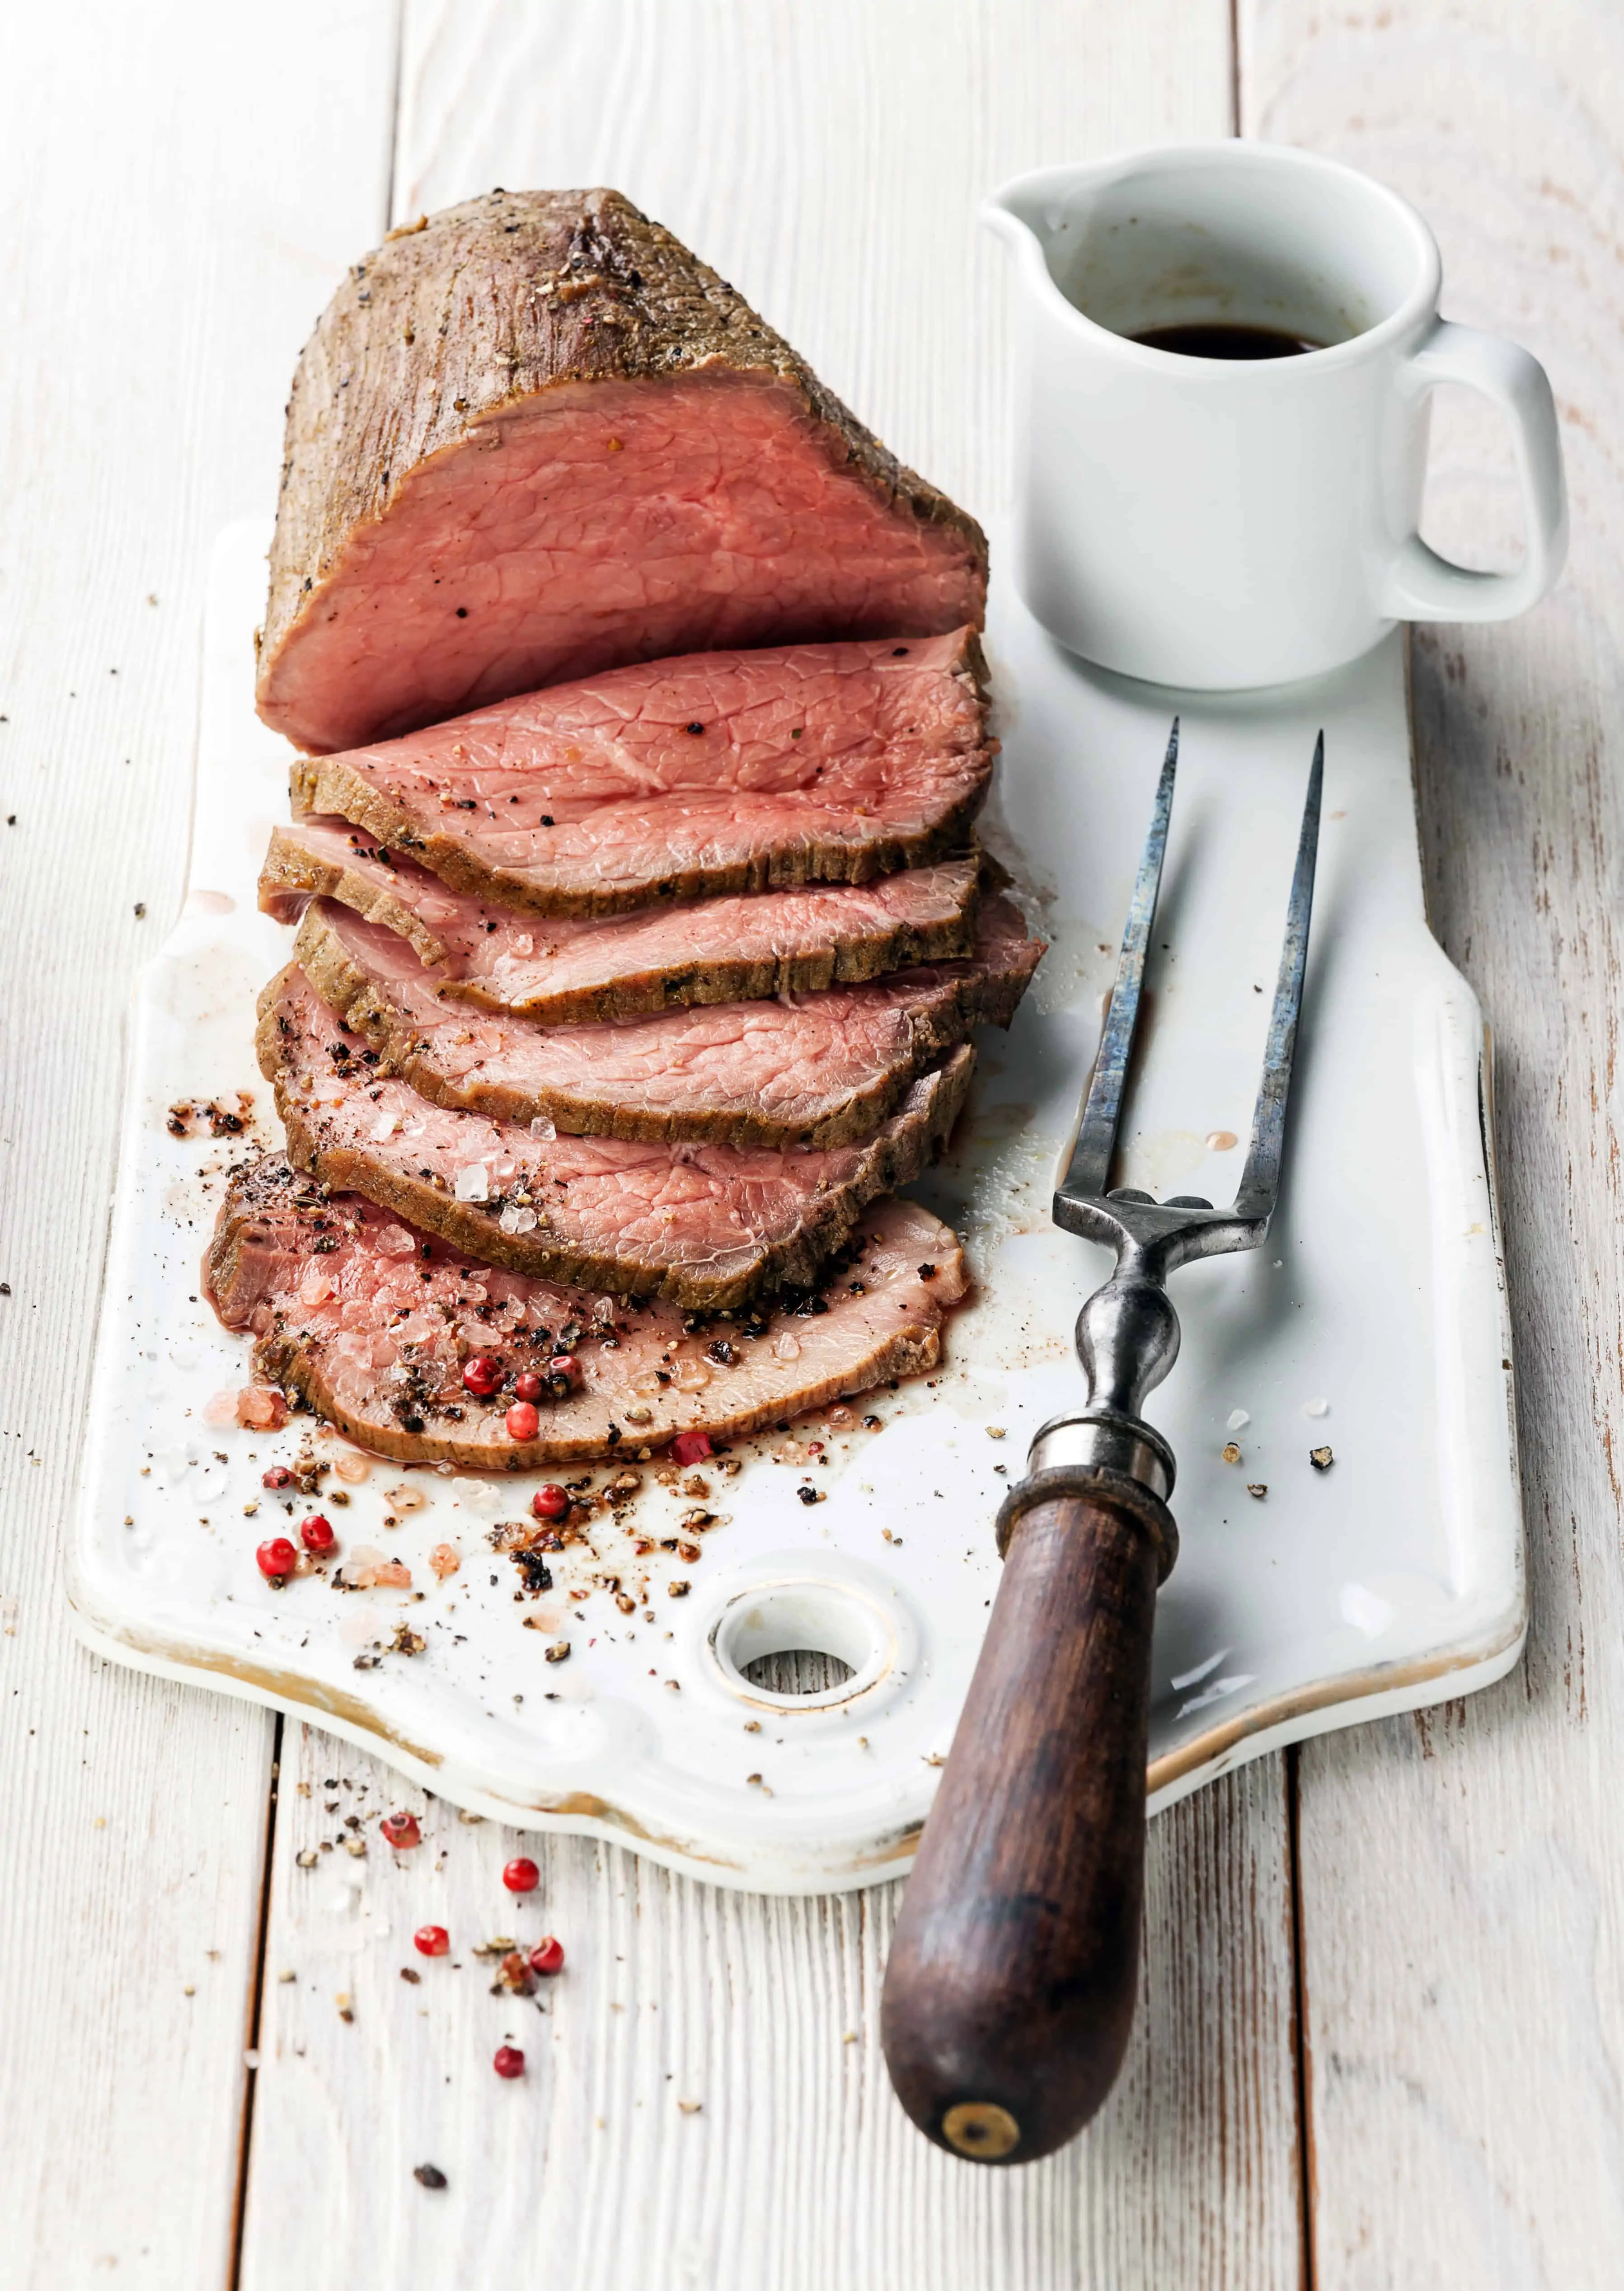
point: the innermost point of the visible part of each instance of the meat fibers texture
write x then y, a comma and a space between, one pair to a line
370, 1321
533, 438
726, 771
821, 1070
708, 1227
677, 954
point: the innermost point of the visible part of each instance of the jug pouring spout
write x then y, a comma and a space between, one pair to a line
1225, 355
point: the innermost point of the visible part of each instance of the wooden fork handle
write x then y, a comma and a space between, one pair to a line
1009, 1992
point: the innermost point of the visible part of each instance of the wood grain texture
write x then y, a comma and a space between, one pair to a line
796, 2169
180, 194
1463, 1871
1010, 1987
829, 162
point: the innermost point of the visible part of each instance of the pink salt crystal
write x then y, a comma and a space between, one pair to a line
445, 1559
221, 1408
261, 1408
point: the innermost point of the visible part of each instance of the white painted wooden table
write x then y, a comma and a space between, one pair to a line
1381, 2041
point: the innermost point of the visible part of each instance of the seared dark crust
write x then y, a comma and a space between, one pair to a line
292, 871
943, 1016
410, 356
281, 1359
330, 784
898, 1152
268, 1196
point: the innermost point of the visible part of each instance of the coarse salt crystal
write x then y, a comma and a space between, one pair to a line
395, 1240
1237, 1417
473, 1183
353, 1468
1317, 1408
221, 1408
515, 1219
542, 1128
785, 1346
385, 1126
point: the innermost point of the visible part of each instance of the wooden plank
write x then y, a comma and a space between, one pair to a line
796, 2168
829, 161
1463, 1871
179, 192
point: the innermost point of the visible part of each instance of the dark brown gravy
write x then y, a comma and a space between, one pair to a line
1215, 338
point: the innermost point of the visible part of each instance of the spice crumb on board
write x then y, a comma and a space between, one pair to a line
1321, 1459
1258, 1487
1230, 1452
428, 2176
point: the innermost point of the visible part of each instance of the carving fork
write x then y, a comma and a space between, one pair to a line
1010, 1993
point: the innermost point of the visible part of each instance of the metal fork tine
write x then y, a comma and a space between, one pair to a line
1260, 1179
1091, 1163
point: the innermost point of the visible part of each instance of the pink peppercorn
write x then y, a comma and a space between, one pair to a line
551, 1501
400, 1830
481, 1375
547, 1955
564, 1375
522, 1421
432, 1940
278, 1476
316, 1533
529, 1387
509, 2062
690, 1447
521, 1876
277, 1559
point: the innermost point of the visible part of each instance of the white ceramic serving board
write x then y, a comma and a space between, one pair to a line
1373, 1321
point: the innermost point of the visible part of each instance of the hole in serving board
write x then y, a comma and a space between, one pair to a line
802, 1644
798, 1670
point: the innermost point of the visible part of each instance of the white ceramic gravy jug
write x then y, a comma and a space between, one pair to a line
1220, 522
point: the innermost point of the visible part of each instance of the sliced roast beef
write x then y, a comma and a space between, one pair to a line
705, 1226
728, 771
373, 1322
729, 949
533, 438
820, 1071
